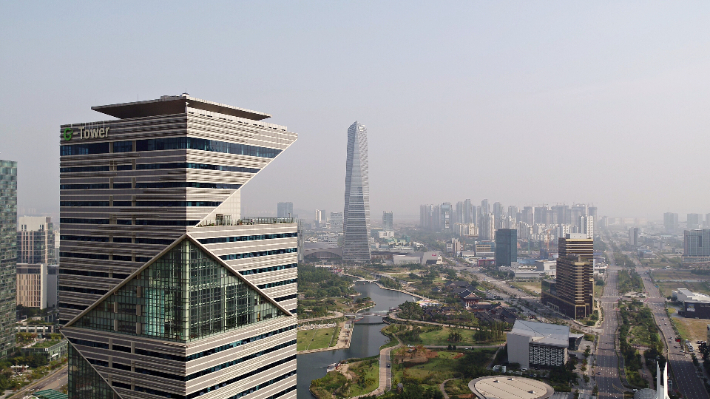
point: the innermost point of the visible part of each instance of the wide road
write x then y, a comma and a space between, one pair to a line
684, 373
607, 366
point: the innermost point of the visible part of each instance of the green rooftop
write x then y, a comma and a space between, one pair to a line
50, 394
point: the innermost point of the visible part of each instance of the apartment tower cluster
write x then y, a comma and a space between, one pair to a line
165, 289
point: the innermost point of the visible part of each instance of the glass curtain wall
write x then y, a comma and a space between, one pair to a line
183, 296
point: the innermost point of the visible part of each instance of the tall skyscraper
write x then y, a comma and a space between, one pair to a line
284, 210
506, 247
388, 221
572, 292
166, 289
8, 254
670, 221
356, 215
35, 240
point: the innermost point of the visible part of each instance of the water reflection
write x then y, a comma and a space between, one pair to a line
366, 340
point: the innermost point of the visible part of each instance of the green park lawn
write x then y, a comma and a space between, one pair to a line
315, 339
440, 337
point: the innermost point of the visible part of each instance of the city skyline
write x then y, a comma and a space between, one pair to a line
535, 85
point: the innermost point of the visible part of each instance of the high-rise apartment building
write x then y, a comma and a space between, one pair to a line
485, 208
469, 214
498, 214
586, 226
506, 246
572, 292
528, 215
694, 221
388, 221
166, 289
634, 237
284, 210
8, 254
320, 218
513, 215
696, 246
356, 215
446, 217
670, 221
486, 230
35, 240
336, 221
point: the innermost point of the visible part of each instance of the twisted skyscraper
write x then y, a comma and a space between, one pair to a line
356, 217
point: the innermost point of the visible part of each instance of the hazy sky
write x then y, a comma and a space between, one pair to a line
518, 102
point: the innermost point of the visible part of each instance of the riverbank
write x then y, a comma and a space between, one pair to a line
402, 291
344, 339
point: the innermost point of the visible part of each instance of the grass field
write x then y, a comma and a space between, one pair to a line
692, 329
641, 336
439, 337
531, 287
693, 282
436, 370
315, 339
369, 374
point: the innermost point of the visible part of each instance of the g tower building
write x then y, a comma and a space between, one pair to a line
165, 289
356, 217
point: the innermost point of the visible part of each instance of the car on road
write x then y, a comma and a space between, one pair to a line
388, 365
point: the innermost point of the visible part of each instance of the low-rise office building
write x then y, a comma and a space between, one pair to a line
540, 344
695, 304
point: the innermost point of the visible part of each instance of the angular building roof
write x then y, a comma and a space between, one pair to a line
543, 333
167, 105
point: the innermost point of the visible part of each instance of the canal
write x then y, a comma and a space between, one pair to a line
366, 340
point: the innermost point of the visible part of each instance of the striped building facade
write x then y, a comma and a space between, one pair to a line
165, 289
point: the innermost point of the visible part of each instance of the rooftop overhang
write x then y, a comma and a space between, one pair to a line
169, 105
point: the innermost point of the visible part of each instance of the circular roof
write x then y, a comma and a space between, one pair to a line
510, 387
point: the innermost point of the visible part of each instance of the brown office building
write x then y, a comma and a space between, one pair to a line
572, 293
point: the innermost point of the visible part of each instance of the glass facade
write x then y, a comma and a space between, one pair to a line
356, 215
8, 254
84, 381
183, 296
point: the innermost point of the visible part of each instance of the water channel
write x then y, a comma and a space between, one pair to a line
366, 339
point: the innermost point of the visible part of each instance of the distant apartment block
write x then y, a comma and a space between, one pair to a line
388, 221
694, 221
35, 240
284, 210
670, 221
696, 246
